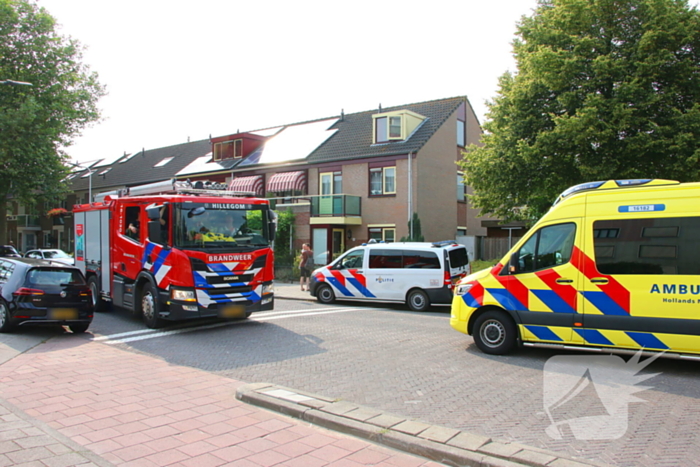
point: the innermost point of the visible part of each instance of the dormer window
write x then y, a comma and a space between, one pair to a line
395, 126
228, 150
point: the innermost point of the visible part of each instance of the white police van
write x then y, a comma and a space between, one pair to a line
417, 273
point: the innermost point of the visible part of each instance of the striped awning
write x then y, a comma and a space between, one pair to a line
287, 181
252, 184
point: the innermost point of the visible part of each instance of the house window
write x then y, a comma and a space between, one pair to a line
394, 127
382, 234
331, 183
461, 188
382, 181
228, 150
387, 128
380, 130
461, 136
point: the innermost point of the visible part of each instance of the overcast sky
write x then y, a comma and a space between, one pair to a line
190, 69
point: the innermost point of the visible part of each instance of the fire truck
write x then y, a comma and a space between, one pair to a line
175, 250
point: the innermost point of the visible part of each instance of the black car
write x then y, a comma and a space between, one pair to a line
9, 251
38, 292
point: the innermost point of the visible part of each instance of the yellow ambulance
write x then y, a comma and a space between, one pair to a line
613, 266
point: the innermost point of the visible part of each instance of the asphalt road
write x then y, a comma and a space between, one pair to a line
414, 364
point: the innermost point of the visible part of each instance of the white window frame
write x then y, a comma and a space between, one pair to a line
384, 171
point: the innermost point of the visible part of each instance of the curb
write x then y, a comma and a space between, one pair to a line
444, 445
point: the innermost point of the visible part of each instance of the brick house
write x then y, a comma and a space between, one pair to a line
348, 178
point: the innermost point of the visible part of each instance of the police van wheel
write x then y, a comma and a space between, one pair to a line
495, 332
325, 294
150, 308
97, 302
418, 300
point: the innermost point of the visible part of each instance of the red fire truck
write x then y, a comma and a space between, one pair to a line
175, 250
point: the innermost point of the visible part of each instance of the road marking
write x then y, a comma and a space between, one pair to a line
173, 328
143, 334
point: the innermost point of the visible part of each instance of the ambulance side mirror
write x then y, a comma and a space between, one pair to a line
513, 263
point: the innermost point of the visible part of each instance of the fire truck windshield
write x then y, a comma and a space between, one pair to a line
230, 226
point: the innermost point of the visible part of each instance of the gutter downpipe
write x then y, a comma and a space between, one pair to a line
410, 196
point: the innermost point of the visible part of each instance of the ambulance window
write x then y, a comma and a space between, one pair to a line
549, 247
648, 246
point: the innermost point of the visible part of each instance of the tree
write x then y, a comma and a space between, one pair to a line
605, 89
416, 230
38, 121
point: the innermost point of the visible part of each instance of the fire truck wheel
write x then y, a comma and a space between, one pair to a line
149, 307
97, 302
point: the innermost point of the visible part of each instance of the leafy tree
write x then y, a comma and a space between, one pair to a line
38, 121
417, 234
285, 224
605, 89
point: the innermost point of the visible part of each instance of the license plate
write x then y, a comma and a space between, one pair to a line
63, 313
232, 311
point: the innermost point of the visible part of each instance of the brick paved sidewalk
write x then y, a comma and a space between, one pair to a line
71, 401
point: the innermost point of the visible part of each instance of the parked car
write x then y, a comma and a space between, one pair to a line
38, 292
416, 273
53, 255
9, 251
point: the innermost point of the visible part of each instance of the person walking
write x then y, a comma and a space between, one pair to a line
305, 266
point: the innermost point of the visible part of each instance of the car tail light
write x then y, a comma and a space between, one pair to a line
448, 280
28, 291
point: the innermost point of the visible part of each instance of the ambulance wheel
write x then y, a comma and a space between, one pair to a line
418, 300
495, 332
97, 302
325, 294
150, 307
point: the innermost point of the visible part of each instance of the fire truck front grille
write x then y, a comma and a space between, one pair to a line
229, 290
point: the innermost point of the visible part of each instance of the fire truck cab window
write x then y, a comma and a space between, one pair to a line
132, 224
236, 227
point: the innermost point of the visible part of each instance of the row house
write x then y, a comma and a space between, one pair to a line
348, 178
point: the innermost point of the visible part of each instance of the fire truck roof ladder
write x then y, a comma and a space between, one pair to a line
174, 186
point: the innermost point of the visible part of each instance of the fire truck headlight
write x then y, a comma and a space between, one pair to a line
461, 289
183, 295
268, 288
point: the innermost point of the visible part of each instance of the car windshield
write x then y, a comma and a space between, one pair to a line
8, 250
221, 226
54, 254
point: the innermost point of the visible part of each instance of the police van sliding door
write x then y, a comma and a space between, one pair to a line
642, 287
543, 288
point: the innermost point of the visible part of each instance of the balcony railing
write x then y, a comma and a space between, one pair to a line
26, 220
326, 205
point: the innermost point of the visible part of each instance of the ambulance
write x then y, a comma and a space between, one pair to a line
419, 274
614, 266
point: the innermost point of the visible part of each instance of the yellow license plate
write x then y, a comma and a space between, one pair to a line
63, 313
232, 311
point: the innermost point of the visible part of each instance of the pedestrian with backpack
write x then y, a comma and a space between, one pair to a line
306, 265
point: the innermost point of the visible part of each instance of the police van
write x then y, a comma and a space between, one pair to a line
613, 266
416, 273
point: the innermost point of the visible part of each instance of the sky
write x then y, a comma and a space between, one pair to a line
178, 70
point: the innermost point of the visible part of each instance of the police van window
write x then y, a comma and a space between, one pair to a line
648, 246
548, 247
352, 260
413, 259
385, 259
